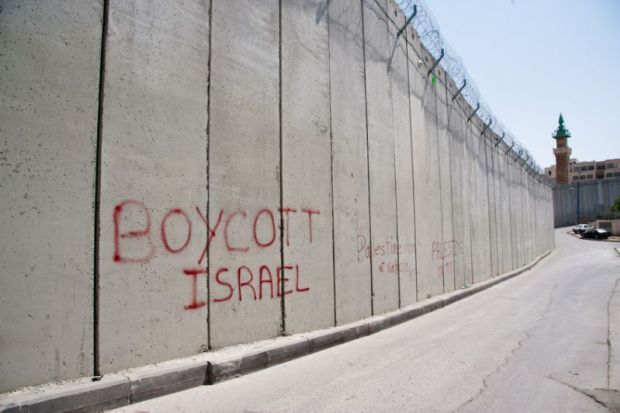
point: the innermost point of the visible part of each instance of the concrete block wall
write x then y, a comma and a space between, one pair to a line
184, 177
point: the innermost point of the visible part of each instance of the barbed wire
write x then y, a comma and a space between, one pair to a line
429, 34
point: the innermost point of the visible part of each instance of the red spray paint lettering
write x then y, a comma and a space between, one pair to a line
134, 244
261, 230
245, 284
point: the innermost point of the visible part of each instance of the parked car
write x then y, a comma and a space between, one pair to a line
596, 233
581, 228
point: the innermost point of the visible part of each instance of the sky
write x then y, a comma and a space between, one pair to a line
532, 59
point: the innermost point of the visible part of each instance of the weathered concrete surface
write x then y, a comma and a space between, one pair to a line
492, 195
505, 228
515, 207
350, 163
244, 171
446, 248
154, 120
306, 163
405, 202
460, 211
49, 82
426, 180
480, 228
381, 159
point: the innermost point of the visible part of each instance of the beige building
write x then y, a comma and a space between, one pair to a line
588, 171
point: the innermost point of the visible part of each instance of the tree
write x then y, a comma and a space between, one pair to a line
615, 207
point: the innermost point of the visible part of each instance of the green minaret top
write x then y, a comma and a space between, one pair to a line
561, 131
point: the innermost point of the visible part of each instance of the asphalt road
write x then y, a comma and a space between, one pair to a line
545, 341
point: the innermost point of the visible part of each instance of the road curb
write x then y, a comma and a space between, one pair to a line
109, 393
120, 389
618, 250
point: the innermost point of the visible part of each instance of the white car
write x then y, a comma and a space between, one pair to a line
581, 228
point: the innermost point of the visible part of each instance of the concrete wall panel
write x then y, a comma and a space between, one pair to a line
153, 180
497, 206
426, 179
446, 249
399, 75
306, 163
244, 173
350, 162
481, 250
381, 159
489, 174
517, 213
460, 216
49, 80
506, 228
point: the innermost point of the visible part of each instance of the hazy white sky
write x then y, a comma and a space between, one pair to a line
533, 59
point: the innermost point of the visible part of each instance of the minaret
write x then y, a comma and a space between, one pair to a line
562, 153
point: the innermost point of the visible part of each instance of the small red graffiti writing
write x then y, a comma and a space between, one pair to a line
392, 267
446, 267
441, 250
384, 249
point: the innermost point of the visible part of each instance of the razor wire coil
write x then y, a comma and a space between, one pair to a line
430, 36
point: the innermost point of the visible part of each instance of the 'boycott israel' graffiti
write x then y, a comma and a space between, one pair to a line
135, 242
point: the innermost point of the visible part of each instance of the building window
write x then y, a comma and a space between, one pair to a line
610, 166
616, 173
590, 167
600, 167
609, 175
590, 176
576, 169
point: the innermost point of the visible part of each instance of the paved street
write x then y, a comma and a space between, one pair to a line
541, 342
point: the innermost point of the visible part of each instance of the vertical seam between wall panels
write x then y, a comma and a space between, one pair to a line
492, 192
372, 296
448, 106
514, 243
472, 162
509, 180
497, 196
387, 26
500, 179
98, 167
415, 238
523, 213
208, 171
331, 160
281, 177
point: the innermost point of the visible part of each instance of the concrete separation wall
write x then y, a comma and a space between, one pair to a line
178, 178
582, 202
